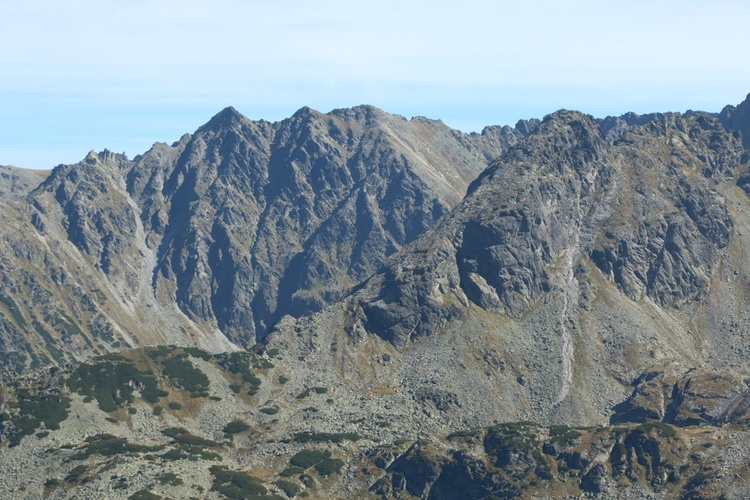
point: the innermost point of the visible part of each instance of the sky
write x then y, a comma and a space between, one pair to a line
85, 75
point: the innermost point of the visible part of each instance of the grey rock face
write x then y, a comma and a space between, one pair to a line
262, 220
576, 263
698, 397
17, 182
237, 224
737, 118
645, 210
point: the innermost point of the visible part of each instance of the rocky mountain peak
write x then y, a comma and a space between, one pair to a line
228, 117
238, 224
737, 118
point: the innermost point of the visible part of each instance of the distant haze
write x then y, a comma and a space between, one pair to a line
117, 74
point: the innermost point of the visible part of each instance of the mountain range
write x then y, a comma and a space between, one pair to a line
555, 308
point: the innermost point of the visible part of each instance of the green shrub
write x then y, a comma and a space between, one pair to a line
308, 458
75, 474
33, 410
15, 312
665, 430
464, 434
186, 374
269, 411
264, 364
303, 394
111, 381
107, 445
289, 488
198, 353
291, 471
52, 483
235, 427
329, 466
143, 495
160, 351
191, 453
236, 484
174, 406
563, 435
307, 480
52, 409
182, 436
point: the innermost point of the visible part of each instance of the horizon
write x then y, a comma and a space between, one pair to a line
408, 118
105, 74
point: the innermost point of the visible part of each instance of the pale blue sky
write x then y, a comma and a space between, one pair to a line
121, 74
